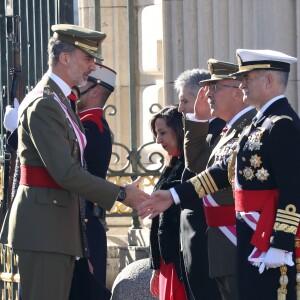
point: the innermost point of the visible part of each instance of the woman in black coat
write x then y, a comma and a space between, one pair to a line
166, 281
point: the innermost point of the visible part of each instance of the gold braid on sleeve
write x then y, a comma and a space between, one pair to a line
204, 184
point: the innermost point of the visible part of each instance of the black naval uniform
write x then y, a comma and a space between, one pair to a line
97, 155
267, 163
268, 160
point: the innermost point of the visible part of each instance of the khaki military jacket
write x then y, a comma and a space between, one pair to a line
48, 219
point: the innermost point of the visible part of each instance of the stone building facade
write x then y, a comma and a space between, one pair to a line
150, 42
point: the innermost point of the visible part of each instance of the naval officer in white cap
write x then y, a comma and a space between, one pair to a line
267, 179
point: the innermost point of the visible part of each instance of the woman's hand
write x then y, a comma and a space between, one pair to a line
154, 283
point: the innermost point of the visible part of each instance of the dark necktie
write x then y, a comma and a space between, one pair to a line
72, 99
225, 129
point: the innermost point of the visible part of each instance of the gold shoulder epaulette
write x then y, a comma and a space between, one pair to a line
281, 118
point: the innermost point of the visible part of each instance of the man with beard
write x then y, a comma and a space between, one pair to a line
43, 225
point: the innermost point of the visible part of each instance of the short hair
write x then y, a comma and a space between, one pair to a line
173, 120
283, 77
190, 79
55, 48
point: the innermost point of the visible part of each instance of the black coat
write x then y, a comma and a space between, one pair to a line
274, 140
164, 233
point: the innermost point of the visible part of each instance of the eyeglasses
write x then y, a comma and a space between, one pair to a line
215, 86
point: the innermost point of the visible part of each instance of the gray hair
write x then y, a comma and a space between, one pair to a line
190, 79
55, 48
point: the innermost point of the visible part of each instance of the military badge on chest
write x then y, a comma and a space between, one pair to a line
253, 162
226, 150
254, 140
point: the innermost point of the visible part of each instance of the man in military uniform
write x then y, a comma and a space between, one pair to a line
90, 283
43, 225
265, 182
226, 101
192, 220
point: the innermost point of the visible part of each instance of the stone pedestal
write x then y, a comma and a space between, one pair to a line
124, 250
133, 283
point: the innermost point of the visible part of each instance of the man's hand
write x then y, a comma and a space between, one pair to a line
134, 196
157, 203
277, 257
201, 107
273, 258
154, 283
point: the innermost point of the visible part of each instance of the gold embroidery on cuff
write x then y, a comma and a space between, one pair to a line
295, 219
197, 186
285, 228
287, 220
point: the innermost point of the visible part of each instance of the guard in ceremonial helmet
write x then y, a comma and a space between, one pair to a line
89, 278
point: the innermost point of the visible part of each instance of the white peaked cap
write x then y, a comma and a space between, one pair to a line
249, 60
104, 76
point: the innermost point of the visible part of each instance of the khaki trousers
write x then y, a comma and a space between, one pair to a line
45, 275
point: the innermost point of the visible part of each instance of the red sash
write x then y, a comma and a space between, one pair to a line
264, 202
37, 176
220, 215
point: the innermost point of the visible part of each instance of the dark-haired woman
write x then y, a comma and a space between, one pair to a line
166, 281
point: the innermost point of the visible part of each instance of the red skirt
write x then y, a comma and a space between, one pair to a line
170, 288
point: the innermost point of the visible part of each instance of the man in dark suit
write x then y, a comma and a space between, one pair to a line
44, 225
226, 101
192, 219
89, 278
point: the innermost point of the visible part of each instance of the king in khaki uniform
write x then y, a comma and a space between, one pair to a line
263, 171
43, 225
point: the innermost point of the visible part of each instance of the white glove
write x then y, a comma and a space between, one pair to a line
256, 257
275, 258
10, 121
